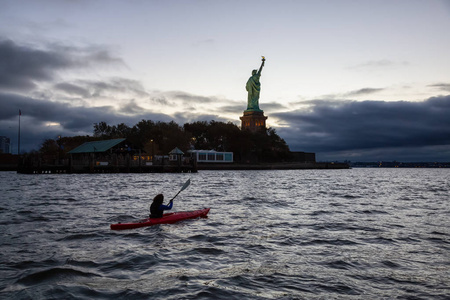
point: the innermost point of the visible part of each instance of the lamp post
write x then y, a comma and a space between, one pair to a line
59, 149
18, 149
153, 152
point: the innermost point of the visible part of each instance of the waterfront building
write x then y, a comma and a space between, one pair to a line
5, 145
211, 156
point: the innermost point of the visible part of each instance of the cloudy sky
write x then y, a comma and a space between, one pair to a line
351, 80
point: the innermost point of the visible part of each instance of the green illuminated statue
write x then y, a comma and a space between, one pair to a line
253, 88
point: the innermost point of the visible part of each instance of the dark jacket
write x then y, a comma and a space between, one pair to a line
157, 211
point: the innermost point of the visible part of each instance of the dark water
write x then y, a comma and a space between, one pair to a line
341, 234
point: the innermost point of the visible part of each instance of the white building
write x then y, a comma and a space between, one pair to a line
211, 156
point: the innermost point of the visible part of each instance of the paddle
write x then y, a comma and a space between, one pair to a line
185, 185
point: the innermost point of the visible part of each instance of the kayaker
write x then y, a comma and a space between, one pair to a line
157, 207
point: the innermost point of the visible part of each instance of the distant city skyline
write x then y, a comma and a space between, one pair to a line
348, 80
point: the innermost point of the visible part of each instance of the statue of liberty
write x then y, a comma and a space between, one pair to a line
253, 88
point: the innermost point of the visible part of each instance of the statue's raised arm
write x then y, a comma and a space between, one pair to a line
253, 88
262, 65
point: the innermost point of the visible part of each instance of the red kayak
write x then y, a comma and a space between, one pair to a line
168, 218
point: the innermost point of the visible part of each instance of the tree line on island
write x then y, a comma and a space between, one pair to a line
159, 138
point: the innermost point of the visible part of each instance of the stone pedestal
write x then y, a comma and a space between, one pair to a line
253, 120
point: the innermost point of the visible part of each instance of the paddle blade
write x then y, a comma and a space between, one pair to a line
186, 184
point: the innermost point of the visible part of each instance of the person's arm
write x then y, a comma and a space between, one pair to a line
166, 207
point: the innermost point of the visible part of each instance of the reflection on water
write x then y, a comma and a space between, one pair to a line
360, 233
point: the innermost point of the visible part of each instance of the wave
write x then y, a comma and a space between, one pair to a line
55, 274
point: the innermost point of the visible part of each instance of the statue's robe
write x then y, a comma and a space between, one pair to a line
253, 88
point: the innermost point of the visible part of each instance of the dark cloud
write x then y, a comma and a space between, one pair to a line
403, 154
131, 108
271, 106
73, 89
350, 127
364, 91
44, 111
114, 85
191, 98
102, 56
179, 99
159, 100
111, 87
43, 119
22, 66
441, 86
175, 98
232, 109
